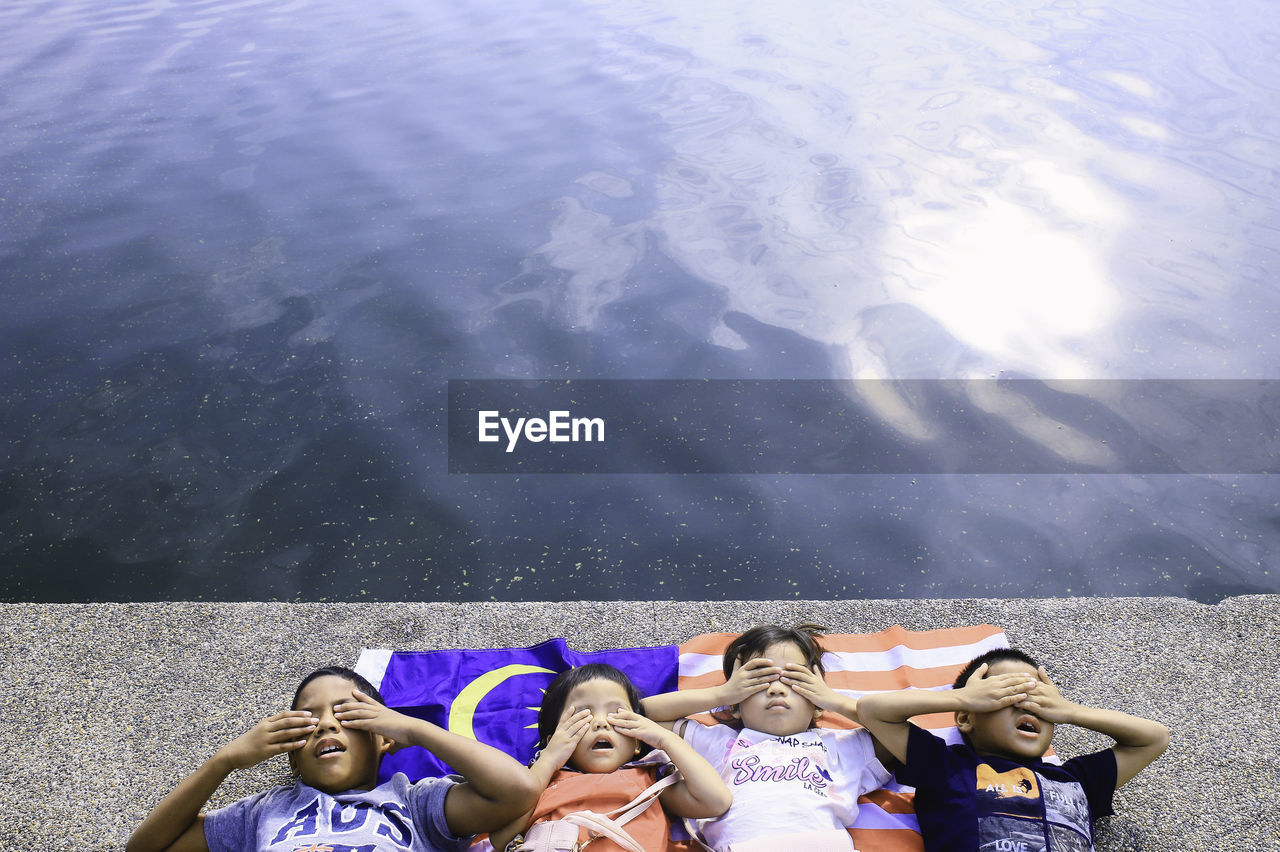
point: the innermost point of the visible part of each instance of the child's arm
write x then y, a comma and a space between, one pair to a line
1138, 741
885, 714
573, 725
176, 823
748, 679
496, 790
701, 794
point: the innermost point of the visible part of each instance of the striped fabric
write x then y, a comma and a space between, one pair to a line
859, 664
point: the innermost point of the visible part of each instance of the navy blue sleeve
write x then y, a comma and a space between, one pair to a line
1097, 774
926, 756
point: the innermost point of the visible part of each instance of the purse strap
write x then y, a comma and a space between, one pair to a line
599, 825
610, 826
641, 803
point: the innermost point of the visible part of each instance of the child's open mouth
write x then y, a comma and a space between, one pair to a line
601, 744
1028, 726
328, 748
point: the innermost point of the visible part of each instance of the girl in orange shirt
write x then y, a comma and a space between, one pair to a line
590, 733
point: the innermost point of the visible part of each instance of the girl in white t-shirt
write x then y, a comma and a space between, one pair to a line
794, 786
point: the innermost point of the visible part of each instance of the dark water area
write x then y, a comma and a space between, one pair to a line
245, 246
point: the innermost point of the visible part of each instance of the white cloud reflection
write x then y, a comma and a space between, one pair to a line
922, 191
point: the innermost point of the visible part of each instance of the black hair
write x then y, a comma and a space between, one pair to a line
992, 657
757, 640
358, 680
558, 692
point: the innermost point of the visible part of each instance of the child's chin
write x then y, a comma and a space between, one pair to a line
780, 727
330, 782
600, 763
1026, 751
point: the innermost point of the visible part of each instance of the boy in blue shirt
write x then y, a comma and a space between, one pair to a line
994, 791
335, 735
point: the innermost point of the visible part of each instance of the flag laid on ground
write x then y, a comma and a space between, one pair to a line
493, 695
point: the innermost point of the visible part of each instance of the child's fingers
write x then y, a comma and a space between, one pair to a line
628, 720
1038, 688
634, 725
758, 672
808, 690
1004, 681
289, 734
294, 716
245, 753
355, 711
358, 699
808, 683
760, 667
572, 729
797, 683
289, 728
1002, 692
285, 747
631, 716
363, 698
359, 716
571, 716
577, 726
1011, 699
978, 674
287, 720
289, 714
796, 673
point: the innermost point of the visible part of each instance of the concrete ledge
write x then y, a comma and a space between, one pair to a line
107, 706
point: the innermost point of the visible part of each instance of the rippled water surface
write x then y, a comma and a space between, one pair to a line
244, 245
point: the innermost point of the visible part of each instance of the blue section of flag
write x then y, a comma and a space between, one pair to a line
502, 686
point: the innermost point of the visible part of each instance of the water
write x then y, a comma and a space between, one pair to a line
244, 245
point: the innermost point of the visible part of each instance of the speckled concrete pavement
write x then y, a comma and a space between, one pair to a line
107, 706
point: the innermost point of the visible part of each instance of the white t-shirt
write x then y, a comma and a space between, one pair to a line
804, 782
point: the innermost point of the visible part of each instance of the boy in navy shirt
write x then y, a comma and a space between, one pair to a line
994, 791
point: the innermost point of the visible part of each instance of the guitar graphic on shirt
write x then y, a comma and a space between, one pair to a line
1018, 782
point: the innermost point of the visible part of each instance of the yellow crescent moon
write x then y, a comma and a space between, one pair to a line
462, 712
